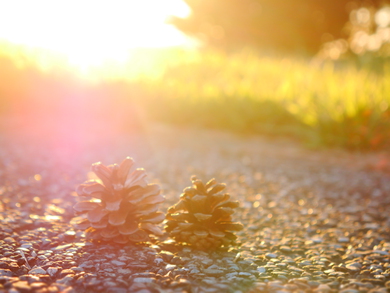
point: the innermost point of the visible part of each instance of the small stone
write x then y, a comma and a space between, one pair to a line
22, 286
343, 239
62, 247
387, 284
38, 285
371, 226
144, 280
323, 288
158, 261
271, 255
353, 268
77, 269
70, 234
67, 280
37, 271
286, 249
231, 275
348, 290
314, 284
118, 263
53, 270
166, 255
183, 281
4, 265
117, 290
65, 272
170, 267
244, 274
139, 288
261, 269
26, 245
213, 272
234, 267
109, 284
6, 273
317, 240
9, 240
124, 271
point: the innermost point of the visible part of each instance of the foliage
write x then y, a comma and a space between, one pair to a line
320, 102
288, 25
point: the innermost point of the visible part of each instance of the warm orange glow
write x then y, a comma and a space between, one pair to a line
91, 33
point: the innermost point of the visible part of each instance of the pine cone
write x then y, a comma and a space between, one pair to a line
203, 216
122, 207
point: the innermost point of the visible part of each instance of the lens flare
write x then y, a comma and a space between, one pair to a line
92, 33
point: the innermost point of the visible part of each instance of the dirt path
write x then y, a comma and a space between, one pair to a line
315, 220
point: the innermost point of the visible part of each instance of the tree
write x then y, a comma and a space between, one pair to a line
292, 25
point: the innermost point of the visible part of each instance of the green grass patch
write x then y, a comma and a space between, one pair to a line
322, 103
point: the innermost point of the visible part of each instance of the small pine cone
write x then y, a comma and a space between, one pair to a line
122, 207
203, 216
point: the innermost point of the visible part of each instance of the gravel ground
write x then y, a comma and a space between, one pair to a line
315, 221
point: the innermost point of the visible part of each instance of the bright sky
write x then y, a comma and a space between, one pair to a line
90, 31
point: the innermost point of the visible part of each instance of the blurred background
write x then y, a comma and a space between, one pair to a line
314, 71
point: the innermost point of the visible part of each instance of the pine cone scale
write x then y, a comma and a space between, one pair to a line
152, 228
83, 206
118, 218
104, 174
101, 224
155, 218
124, 169
113, 206
109, 232
128, 228
97, 214
202, 217
135, 196
139, 236
137, 179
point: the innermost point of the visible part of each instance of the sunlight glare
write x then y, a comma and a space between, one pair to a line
91, 33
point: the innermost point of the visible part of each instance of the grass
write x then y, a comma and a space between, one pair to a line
322, 103
338, 104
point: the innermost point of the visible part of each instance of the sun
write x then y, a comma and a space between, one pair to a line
90, 33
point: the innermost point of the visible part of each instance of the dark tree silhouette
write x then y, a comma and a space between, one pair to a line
298, 25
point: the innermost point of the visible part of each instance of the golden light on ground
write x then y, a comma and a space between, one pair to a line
91, 33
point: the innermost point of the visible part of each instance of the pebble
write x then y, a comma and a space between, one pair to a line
118, 263
343, 239
144, 280
6, 273
22, 286
213, 272
244, 274
323, 288
166, 255
37, 271
271, 255
170, 267
352, 268
158, 261
62, 247
67, 280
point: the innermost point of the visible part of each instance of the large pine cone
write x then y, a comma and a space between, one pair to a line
122, 207
203, 216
